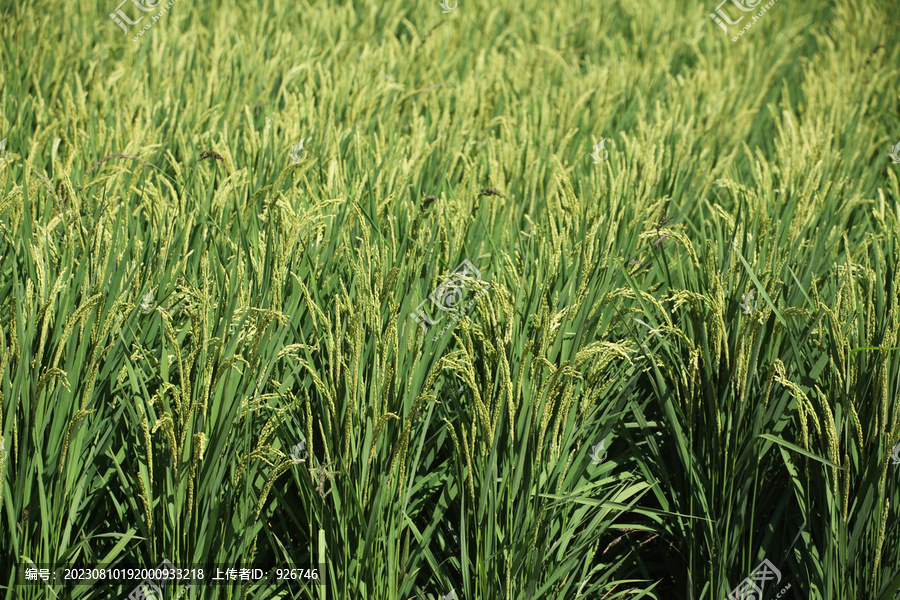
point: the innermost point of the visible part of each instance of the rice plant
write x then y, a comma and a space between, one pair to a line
472, 301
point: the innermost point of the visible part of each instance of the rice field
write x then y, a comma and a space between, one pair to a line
433, 300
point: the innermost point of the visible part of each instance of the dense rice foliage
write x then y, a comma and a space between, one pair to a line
181, 304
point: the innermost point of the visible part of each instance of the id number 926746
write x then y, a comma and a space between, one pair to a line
296, 574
